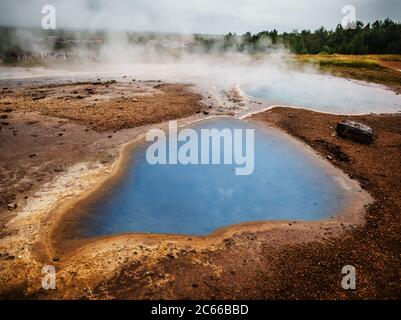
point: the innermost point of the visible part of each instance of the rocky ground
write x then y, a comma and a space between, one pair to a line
47, 128
107, 105
58, 140
374, 249
283, 260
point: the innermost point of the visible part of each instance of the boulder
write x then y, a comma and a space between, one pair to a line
355, 131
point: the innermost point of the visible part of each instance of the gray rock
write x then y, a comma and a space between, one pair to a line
355, 131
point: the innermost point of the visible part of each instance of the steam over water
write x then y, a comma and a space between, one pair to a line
324, 93
273, 80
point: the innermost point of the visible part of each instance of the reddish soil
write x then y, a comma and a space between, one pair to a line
45, 129
105, 106
391, 64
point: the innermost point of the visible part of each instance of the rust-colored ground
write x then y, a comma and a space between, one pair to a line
391, 64
374, 250
46, 129
109, 105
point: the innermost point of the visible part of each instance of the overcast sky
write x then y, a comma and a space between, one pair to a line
196, 16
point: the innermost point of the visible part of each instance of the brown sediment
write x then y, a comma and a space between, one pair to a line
36, 149
110, 105
374, 249
42, 137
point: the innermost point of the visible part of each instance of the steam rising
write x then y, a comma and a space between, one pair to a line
271, 75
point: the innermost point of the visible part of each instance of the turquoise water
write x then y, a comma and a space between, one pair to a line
196, 199
324, 93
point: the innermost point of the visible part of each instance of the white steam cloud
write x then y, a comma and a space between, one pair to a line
196, 16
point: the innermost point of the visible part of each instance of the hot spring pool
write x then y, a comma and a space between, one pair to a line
287, 184
323, 93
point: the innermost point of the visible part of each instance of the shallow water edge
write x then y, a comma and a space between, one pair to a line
64, 238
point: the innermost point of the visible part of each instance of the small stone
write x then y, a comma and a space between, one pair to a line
55, 259
355, 131
12, 206
32, 155
38, 97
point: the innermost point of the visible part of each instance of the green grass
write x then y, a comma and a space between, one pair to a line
350, 64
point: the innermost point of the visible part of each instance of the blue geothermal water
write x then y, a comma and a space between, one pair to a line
286, 184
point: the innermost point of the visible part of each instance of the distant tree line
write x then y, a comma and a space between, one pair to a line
380, 37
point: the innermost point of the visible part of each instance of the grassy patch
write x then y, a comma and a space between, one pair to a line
359, 67
340, 60
349, 63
